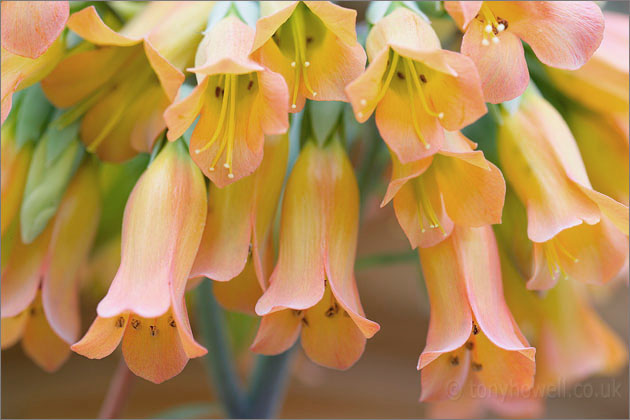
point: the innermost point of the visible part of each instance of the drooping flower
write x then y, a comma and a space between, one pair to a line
471, 330
124, 83
562, 34
238, 100
40, 281
238, 227
417, 89
603, 80
456, 186
144, 307
313, 45
576, 230
604, 148
312, 289
572, 341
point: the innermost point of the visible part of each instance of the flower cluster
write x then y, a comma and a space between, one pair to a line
182, 141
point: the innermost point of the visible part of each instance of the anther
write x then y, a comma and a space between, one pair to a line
135, 324
476, 366
475, 329
488, 28
120, 322
293, 64
441, 115
500, 27
360, 114
293, 106
154, 330
217, 91
231, 176
400, 75
171, 322
307, 63
305, 322
423, 78
226, 165
250, 84
454, 360
470, 345
197, 151
495, 40
485, 42
363, 102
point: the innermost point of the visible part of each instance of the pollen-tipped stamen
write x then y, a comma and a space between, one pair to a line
217, 131
416, 80
416, 126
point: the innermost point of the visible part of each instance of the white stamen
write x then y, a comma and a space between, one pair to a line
441, 115
197, 151
314, 93
500, 27
488, 28
293, 63
293, 106
363, 102
226, 165
495, 40
485, 42
212, 169
360, 114
307, 63
422, 230
231, 176
427, 146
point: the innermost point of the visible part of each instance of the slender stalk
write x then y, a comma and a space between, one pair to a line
268, 385
219, 361
118, 391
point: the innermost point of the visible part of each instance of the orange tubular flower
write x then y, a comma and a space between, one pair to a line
313, 45
162, 228
576, 230
417, 88
239, 102
238, 224
123, 87
29, 50
312, 288
40, 301
471, 330
562, 34
603, 80
455, 186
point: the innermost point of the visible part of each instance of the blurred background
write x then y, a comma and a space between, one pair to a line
383, 384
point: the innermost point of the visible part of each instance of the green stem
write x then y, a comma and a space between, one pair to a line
219, 361
385, 259
268, 385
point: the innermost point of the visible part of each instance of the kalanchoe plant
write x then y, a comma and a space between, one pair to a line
191, 179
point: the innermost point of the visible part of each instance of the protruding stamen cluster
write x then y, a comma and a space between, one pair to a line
493, 25
227, 89
300, 63
425, 209
414, 82
552, 251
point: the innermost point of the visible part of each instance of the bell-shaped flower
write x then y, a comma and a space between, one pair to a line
238, 227
144, 307
40, 296
123, 84
471, 329
456, 186
577, 231
417, 89
563, 34
603, 144
572, 341
15, 163
313, 45
312, 289
603, 80
237, 100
